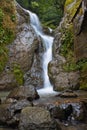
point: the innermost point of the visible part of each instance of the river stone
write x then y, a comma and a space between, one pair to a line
36, 118
24, 92
10, 112
61, 113
68, 94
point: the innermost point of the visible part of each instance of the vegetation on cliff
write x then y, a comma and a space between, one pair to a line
18, 74
67, 47
7, 29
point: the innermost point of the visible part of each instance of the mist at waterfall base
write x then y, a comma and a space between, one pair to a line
47, 56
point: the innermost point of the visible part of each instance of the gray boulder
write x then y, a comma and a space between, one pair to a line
10, 112
37, 118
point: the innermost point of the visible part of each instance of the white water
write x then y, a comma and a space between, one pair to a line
47, 56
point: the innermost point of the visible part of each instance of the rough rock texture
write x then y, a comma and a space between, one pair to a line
26, 42
7, 81
34, 76
37, 118
22, 52
10, 112
65, 73
80, 40
74, 111
24, 92
60, 79
80, 27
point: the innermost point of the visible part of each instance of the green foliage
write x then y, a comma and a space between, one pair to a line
47, 10
82, 65
71, 7
67, 44
70, 67
6, 35
18, 74
68, 2
13, 18
67, 50
7, 29
34, 4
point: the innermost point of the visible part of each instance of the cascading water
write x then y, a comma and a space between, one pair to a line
47, 56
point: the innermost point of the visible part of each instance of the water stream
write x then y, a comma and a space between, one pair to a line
47, 56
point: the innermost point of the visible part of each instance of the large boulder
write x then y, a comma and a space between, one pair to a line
10, 111
24, 92
72, 111
37, 118
61, 79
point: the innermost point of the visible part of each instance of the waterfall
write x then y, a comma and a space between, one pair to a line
47, 56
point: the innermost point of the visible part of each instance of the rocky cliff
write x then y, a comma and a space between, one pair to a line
23, 53
69, 66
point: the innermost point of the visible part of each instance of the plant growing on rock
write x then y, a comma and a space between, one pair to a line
18, 74
7, 29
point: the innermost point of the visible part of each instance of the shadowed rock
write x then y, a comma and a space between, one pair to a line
24, 92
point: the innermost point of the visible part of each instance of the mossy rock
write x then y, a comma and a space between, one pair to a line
71, 7
18, 73
83, 85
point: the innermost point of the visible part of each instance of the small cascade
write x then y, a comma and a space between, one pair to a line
47, 56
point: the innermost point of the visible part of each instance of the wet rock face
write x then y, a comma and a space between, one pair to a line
35, 75
37, 118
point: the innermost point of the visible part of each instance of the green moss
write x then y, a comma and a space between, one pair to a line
83, 86
18, 74
70, 67
67, 49
68, 2
7, 29
71, 7
82, 66
67, 42
3, 57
